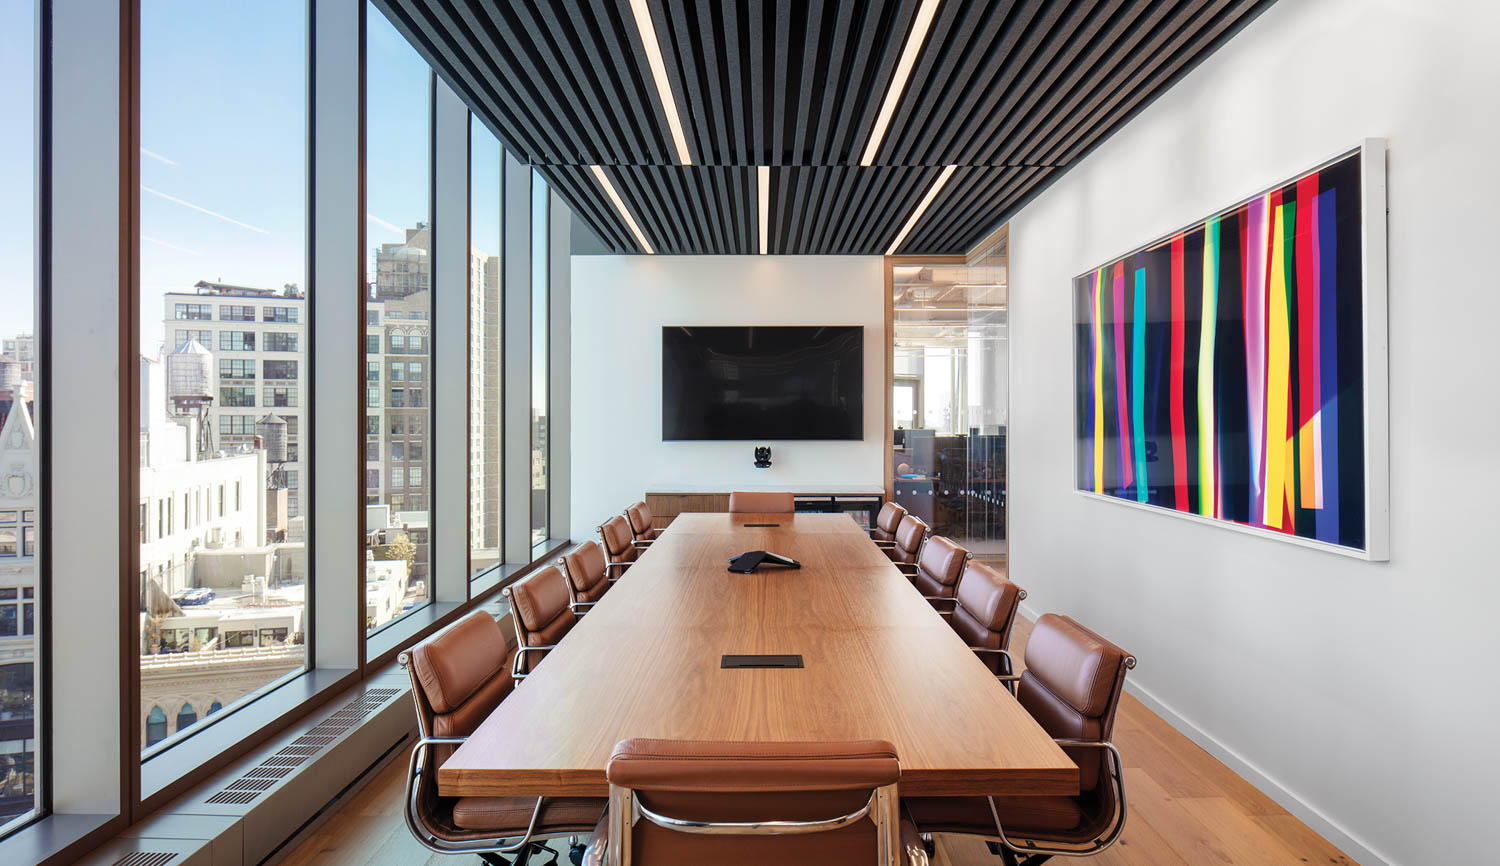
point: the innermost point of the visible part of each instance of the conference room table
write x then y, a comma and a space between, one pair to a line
878, 662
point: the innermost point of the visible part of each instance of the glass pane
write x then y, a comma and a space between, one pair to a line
398, 321
18, 360
540, 316
950, 398
486, 355
222, 251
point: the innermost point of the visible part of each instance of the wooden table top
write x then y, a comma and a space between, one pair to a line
878, 663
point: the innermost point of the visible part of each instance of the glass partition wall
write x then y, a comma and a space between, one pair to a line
950, 395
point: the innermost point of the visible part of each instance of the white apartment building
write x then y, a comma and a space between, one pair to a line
486, 410
189, 505
258, 338
22, 349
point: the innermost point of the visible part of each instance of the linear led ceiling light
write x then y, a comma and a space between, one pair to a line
932, 191
609, 190
659, 73
914, 42
763, 173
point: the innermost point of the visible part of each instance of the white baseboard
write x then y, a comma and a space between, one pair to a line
1309, 815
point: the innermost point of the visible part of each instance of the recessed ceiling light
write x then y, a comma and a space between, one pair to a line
763, 174
659, 73
926, 202
904, 66
609, 189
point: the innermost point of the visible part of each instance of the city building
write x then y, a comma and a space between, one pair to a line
22, 349
258, 340
18, 608
486, 410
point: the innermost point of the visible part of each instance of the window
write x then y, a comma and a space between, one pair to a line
414, 396
398, 450
414, 477
194, 312
398, 371
372, 371
414, 371
277, 341
372, 452
236, 341
398, 425
279, 314
237, 396
181, 338
8, 541
398, 165
223, 205
236, 368
278, 397
280, 369
237, 425
372, 425
540, 319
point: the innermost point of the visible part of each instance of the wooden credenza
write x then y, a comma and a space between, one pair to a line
665, 505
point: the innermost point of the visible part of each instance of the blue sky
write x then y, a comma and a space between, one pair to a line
17, 165
224, 150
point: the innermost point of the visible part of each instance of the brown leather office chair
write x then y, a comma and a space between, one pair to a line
910, 533
588, 574
458, 677
540, 611
642, 524
935, 573
982, 611
748, 804
1071, 686
742, 502
886, 522
619, 543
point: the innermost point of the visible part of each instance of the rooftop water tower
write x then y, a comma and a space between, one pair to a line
271, 430
190, 389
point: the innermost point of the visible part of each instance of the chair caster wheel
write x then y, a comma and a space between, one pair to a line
575, 854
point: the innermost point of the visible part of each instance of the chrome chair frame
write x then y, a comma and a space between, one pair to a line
1010, 663
487, 848
883, 808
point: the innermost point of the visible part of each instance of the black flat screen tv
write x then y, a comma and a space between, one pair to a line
762, 382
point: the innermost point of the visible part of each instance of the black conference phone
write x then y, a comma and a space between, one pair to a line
748, 562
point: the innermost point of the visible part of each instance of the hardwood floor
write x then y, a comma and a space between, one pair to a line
1186, 809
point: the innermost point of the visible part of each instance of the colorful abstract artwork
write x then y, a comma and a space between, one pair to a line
1220, 371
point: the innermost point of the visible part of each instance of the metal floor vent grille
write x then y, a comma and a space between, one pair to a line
145, 858
264, 776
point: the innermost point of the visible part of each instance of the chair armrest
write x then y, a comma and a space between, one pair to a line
937, 598
609, 565
905, 565
641, 544
581, 607
515, 671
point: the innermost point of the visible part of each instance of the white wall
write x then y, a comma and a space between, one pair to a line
1360, 693
620, 304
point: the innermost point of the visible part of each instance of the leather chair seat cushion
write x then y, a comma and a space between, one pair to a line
989, 598
511, 814
452, 666
882, 535
761, 502
1021, 816
640, 518
1077, 665
909, 536
464, 720
889, 518
942, 561
975, 634
617, 538
897, 554
586, 567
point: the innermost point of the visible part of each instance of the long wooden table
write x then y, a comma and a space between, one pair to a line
644, 662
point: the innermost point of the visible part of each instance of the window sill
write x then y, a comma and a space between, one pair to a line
404, 630
56, 838
237, 732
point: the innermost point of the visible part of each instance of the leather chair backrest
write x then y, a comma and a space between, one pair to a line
616, 535
461, 674
742, 502
909, 535
539, 602
889, 518
1072, 687
743, 782
938, 568
584, 567
985, 610
640, 518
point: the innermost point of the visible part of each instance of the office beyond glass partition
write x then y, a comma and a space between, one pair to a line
950, 387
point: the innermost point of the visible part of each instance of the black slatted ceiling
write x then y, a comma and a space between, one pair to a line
1013, 92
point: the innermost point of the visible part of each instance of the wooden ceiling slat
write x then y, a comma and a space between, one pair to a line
1010, 91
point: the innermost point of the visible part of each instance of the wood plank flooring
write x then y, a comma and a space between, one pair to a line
1186, 809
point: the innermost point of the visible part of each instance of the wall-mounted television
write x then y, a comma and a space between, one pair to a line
762, 382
